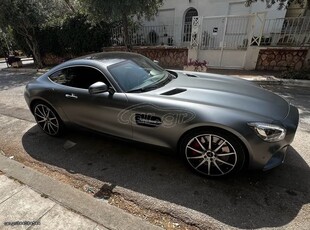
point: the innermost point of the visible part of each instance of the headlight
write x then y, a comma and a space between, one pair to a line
268, 132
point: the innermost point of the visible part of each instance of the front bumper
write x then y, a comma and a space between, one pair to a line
264, 155
276, 159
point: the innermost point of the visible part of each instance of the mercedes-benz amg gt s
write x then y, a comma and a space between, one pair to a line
218, 124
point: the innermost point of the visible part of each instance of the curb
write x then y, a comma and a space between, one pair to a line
287, 82
18, 70
271, 80
97, 210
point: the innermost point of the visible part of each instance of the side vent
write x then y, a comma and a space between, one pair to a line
173, 92
190, 75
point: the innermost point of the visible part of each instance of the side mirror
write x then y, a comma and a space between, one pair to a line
98, 87
156, 62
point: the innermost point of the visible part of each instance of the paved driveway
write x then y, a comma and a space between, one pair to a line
156, 179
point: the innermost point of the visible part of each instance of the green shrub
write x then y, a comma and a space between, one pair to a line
49, 42
77, 35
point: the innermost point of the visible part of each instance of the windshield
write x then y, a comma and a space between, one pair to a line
138, 74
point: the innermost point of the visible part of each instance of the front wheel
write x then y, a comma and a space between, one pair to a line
212, 153
48, 119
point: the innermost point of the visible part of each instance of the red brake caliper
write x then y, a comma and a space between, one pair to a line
195, 145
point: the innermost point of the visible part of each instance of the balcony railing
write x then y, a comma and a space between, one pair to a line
286, 32
144, 35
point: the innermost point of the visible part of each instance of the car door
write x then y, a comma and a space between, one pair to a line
156, 120
98, 112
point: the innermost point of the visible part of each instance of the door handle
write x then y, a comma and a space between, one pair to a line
67, 95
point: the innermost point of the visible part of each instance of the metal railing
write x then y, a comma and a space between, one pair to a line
286, 32
234, 32
237, 30
228, 32
144, 35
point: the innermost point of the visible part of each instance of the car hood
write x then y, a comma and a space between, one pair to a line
226, 92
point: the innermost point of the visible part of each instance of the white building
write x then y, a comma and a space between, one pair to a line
176, 15
225, 33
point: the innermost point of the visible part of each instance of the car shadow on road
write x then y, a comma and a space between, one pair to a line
250, 200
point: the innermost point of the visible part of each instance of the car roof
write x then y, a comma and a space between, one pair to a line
110, 58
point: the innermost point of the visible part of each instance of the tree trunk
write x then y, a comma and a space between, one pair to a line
126, 32
33, 45
70, 5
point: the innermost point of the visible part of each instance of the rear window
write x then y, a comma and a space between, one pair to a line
78, 77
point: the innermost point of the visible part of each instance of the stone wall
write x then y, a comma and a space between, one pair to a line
52, 60
281, 59
168, 57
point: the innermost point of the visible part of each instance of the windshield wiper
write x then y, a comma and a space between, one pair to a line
139, 90
164, 81
143, 89
156, 85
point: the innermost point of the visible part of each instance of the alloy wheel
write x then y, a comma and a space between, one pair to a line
211, 155
46, 119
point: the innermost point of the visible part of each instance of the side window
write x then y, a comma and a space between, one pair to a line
78, 77
59, 77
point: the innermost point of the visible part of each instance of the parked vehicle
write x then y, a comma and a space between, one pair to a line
218, 124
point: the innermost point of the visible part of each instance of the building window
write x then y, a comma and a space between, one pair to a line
187, 30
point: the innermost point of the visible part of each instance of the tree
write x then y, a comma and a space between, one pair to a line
282, 3
78, 35
26, 16
122, 10
6, 45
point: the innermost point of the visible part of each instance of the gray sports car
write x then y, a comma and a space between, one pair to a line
218, 124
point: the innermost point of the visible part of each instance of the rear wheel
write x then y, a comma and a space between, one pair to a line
212, 153
48, 119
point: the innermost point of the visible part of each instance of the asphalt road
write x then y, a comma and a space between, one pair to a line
156, 179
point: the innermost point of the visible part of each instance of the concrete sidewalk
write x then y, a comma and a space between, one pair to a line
21, 207
49, 204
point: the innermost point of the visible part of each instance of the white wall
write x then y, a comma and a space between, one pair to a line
251, 57
172, 12
234, 59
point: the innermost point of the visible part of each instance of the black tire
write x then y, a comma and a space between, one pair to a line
225, 155
48, 119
